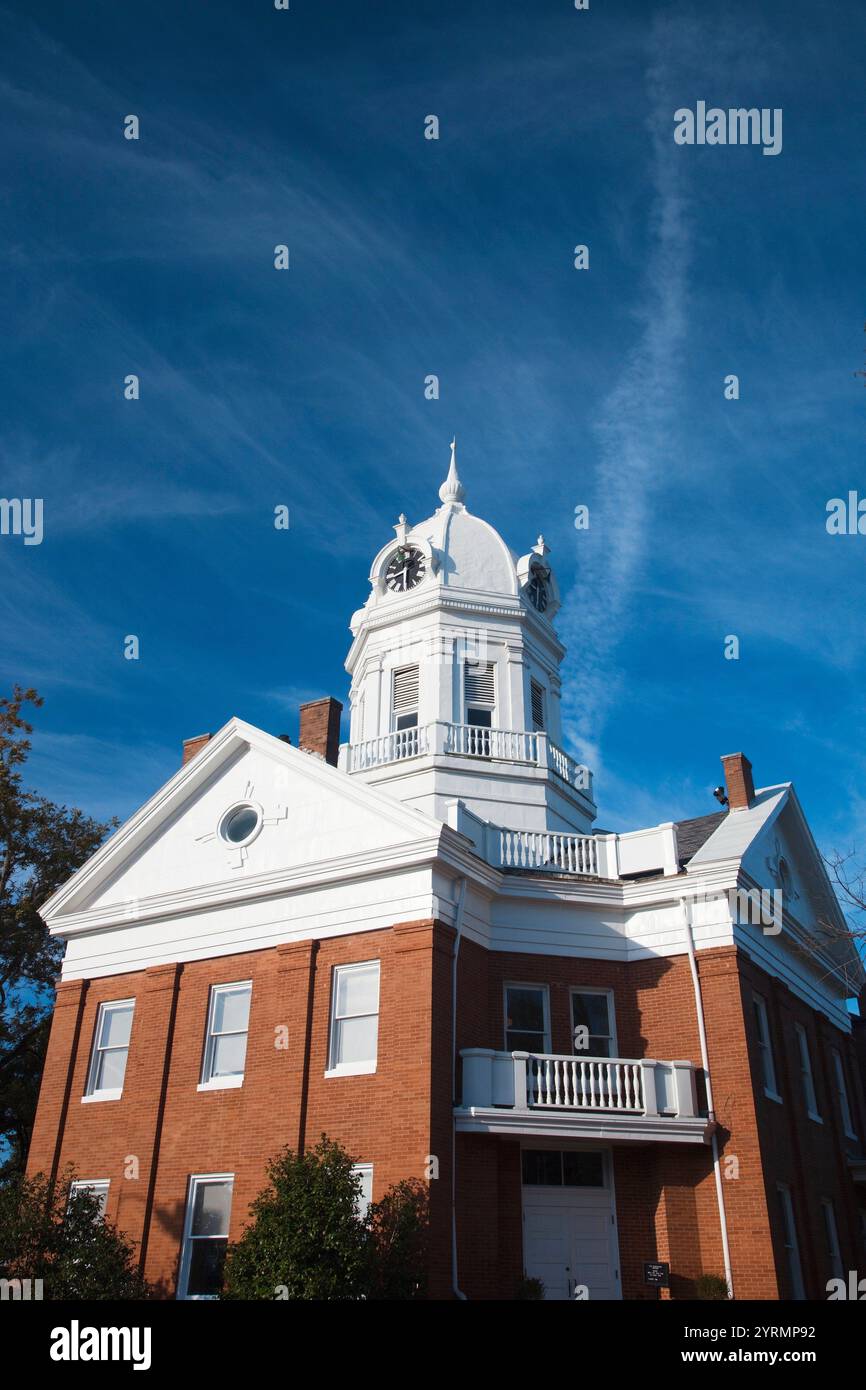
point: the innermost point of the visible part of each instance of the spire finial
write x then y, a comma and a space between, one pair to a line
452, 490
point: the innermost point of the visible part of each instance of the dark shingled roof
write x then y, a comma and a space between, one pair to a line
691, 834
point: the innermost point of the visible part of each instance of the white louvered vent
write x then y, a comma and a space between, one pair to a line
405, 690
536, 695
480, 683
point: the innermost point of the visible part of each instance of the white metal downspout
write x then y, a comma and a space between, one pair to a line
705, 1062
458, 922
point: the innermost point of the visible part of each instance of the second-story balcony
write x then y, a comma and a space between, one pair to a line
466, 741
525, 1094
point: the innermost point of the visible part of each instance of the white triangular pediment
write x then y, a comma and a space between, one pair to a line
309, 814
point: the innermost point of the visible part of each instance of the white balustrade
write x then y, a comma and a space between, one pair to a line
585, 1083
547, 1081
532, 849
389, 748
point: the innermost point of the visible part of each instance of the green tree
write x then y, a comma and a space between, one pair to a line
41, 845
47, 1234
308, 1240
399, 1228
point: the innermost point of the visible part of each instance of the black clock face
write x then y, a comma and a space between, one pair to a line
536, 590
406, 568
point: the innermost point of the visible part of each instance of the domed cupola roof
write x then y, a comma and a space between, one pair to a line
451, 550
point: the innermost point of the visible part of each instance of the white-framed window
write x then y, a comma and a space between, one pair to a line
806, 1073
527, 1018
110, 1050
365, 1172
205, 1235
842, 1092
592, 1023
536, 705
96, 1187
404, 698
834, 1254
479, 703
789, 1238
354, 1019
765, 1048
225, 1048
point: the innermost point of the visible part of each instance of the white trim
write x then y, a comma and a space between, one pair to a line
791, 1243
362, 1169
831, 1235
221, 1083
91, 1092
209, 1082
186, 1240
544, 989
352, 1068
843, 1096
765, 1048
368, 1064
243, 805
807, 1076
98, 1187
611, 1015
99, 1097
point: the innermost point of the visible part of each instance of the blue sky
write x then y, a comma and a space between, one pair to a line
453, 257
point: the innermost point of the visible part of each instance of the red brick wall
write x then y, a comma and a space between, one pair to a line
163, 1129
399, 1119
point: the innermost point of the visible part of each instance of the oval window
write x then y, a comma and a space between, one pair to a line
240, 824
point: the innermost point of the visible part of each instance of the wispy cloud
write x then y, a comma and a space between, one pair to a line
634, 429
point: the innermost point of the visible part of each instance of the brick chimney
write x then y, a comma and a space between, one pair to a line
191, 746
320, 728
738, 780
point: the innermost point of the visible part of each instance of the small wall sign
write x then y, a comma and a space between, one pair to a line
657, 1274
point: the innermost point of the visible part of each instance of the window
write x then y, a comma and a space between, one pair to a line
765, 1048
96, 1187
365, 1172
241, 824
789, 1236
842, 1093
404, 698
479, 692
834, 1255
526, 1018
806, 1073
536, 701
592, 1030
205, 1235
568, 1168
226, 1045
354, 1019
110, 1050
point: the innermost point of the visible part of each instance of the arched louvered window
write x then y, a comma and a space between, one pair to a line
536, 700
404, 698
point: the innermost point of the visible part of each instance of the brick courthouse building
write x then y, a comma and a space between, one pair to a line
418, 943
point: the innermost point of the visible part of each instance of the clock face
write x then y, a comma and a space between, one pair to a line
536, 589
406, 568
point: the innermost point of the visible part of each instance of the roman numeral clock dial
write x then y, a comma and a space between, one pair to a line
405, 570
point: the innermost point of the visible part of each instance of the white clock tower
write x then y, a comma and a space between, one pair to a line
455, 693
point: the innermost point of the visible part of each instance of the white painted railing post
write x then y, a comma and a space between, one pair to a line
605, 848
521, 1100
648, 1086
685, 1087
437, 737
477, 1076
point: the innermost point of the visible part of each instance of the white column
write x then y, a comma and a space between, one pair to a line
648, 1083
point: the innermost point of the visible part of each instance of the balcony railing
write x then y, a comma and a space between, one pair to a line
530, 849
547, 1082
465, 741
